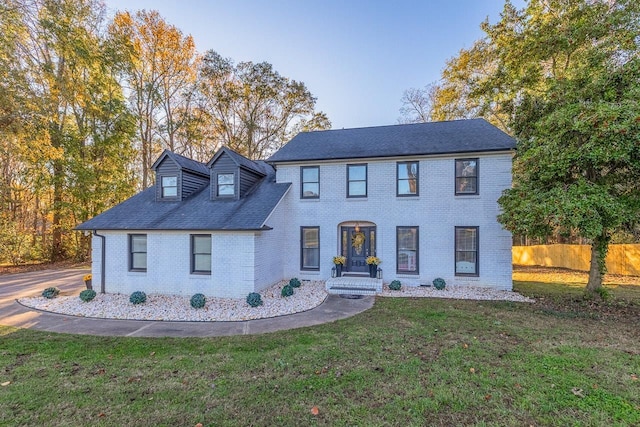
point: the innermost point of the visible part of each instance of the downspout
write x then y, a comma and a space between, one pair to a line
103, 256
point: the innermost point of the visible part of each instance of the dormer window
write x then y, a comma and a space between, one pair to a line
169, 186
226, 184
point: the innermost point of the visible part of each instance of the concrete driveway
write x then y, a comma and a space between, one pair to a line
69, 281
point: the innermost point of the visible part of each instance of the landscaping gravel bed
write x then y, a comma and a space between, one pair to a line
455, 292
177, 308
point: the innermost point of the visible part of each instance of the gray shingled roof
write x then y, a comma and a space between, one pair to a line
458, 136
184, 163
198, 212
240, 160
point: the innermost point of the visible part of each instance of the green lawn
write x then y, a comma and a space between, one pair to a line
560, 361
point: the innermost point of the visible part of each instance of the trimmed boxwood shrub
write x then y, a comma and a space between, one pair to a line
87, 295
395, 285
439, 283
138, 297
254, 299
287, 291
51, 292
294, 283
198, 301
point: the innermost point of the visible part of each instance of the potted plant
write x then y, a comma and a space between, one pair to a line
373, 262
339, 261
87, 281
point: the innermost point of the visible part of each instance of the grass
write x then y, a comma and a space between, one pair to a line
559, 361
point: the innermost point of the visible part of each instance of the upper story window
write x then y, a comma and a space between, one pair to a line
226, 184
169, 186
357, 180
407, 173
310, 182
137, 252
201, 253
466, 176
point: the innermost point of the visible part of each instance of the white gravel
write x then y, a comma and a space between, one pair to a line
455, 292
177, 308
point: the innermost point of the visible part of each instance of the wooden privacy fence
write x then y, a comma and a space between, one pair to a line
621, 259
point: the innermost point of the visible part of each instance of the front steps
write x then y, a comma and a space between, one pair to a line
353, 285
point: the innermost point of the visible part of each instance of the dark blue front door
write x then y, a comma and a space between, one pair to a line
357, 246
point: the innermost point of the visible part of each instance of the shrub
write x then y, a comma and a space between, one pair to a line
51, 292
138, 297
287, 291
439, 283
198, 300
87, 295
294, 283
254, 299
395, 285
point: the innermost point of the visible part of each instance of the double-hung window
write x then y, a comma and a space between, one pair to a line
467, 249
357, 180
466, 176
201, 253
407, 178
310, 182
407, 250
169, 186
137, 252
226, 185
310, 248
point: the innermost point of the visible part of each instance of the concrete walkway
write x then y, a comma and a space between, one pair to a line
14, 286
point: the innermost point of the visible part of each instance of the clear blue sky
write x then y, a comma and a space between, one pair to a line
356, 57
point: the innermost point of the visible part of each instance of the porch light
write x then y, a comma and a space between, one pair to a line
333, 272
357, 227
379, 275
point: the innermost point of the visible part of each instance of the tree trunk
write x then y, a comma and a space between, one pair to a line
598, 267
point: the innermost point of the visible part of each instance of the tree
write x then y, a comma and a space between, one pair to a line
251, 108
161, 72
573, 73
417, 104
70, 109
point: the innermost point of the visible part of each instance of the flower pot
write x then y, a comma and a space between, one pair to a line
87, 283
338, 270
373, 270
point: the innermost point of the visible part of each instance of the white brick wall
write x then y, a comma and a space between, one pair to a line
436, 211
168, 264
245, 262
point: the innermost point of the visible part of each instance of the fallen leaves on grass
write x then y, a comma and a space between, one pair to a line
315, 411
6, 383
577, 392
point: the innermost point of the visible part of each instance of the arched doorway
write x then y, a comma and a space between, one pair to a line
357, 242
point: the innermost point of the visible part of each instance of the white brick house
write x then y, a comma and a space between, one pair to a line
421, 197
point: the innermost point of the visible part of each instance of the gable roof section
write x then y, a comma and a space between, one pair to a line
458, 136
240, 161
197, 212
183, 163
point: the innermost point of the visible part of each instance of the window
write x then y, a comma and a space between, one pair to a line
407, 179
169, 186
310, 182
466, 251
310, 248
466, 176
201, 253
138, 252
226, 184
357, 180
407, 250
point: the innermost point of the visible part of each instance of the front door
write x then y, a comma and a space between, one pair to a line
357, 246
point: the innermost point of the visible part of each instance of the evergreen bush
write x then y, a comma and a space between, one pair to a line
87, 295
